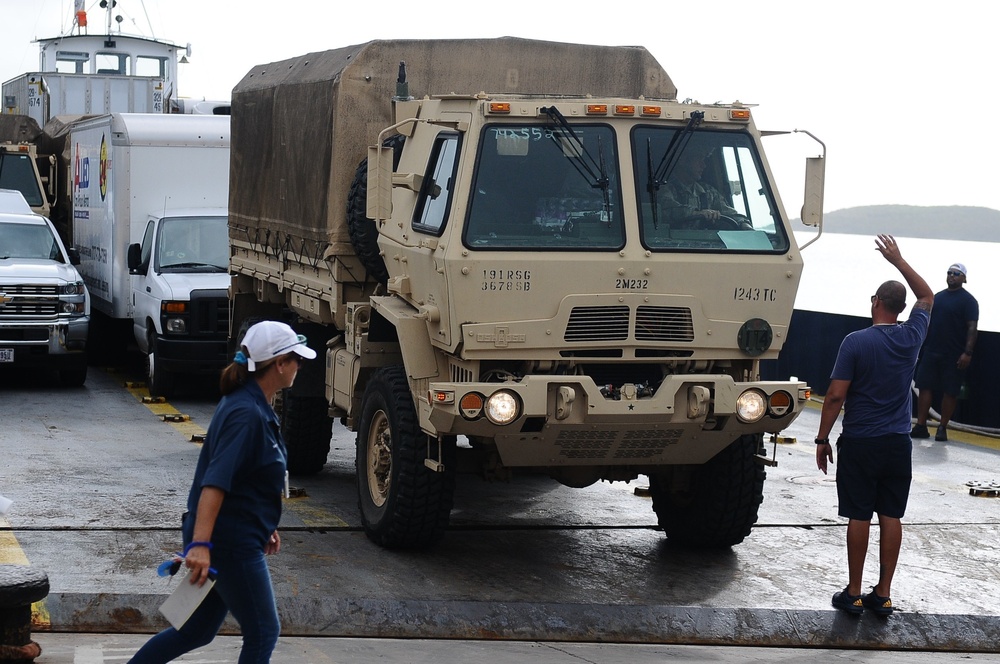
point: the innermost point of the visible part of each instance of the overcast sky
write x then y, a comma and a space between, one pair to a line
900, 91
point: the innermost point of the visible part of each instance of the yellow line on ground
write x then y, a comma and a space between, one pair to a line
313, 516
169, 414
11, 553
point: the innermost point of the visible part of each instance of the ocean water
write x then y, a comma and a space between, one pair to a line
842, 272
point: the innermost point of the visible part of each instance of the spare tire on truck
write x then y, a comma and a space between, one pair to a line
362, 229
713, 505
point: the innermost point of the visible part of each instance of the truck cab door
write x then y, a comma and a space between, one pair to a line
425, 252
145, 307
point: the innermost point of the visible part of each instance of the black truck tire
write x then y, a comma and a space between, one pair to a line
362, 229
306, 426
74, 374
403, 503
718, 506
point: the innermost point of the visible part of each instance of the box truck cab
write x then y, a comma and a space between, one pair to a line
149, 196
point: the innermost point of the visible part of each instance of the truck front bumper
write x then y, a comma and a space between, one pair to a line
195, 356
45, 343
566, 420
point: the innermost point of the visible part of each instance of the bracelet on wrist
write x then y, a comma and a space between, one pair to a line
192, 545
822, 441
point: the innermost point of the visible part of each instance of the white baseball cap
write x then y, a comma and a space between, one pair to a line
269, 339
958, 267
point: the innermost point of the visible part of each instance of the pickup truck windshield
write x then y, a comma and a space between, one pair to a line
33, 241
542, 187
712, 196
193, 244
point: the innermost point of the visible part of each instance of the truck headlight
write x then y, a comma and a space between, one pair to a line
751, 406
74, 288
503, 407
175, 325
67, 307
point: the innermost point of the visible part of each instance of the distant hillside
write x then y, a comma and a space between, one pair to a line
974, 224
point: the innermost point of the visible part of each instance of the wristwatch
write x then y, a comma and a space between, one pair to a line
822, 441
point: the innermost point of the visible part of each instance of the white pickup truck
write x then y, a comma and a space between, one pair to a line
44, 306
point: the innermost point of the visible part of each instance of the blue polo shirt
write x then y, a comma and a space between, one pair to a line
245, 456
879, 362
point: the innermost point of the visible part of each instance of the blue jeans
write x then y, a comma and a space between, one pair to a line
243, 587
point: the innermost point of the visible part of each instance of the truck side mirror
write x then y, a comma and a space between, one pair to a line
812, 202
74, 255
135, 259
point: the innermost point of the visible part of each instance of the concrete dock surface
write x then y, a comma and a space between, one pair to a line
99, 482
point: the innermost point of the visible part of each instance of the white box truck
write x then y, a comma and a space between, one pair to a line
148, 198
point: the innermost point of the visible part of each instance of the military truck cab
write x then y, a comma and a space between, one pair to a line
571, 272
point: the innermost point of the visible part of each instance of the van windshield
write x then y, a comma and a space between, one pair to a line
193, 244
537, 187
704, 192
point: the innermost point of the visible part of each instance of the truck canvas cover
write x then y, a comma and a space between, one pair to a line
300, 127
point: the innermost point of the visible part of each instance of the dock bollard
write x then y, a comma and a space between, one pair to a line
20, 585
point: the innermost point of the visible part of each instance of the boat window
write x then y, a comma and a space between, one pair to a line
115, 64
73, 62
146, 65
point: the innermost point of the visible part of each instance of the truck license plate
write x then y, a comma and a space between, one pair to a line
6, 354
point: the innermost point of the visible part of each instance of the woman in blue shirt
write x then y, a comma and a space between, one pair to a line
235, 501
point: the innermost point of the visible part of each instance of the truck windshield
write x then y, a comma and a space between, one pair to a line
711, 195
535, 187
193, 244
28, 241
18, 173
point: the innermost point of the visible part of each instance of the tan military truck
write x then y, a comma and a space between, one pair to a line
544, 261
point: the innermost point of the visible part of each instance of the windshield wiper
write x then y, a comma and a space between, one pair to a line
215, 268
594, 171
658, 176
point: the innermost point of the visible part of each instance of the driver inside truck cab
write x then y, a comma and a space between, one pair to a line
690, 202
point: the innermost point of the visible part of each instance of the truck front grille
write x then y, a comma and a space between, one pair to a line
209, 313
673, 324
598, 324
663, 324
619, 446
28, 300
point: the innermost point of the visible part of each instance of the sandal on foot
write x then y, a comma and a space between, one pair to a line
882, 606
845, 601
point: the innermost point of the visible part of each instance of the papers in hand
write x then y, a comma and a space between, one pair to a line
184, 600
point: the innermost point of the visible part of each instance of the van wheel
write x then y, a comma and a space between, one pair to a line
159, 381
362, 230
404, 504
713, 505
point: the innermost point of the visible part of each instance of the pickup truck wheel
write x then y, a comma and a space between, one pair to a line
306, 426
159, 381
717, 504
362, 229
75, 374
404, 504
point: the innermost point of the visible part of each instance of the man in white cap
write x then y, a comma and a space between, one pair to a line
947, 352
